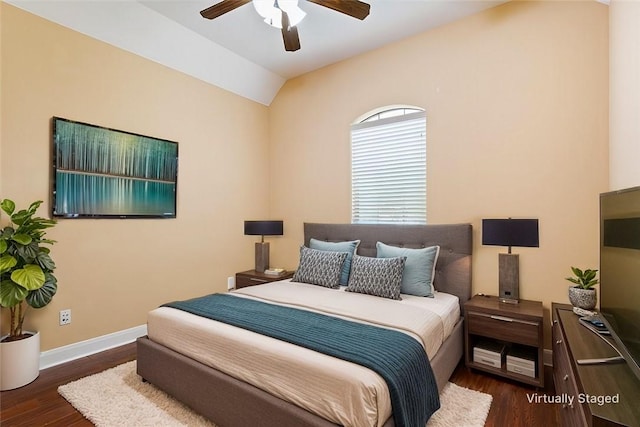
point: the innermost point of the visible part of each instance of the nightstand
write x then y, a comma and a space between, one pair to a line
252, 278
511, 333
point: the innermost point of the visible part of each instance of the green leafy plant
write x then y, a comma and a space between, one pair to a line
583, 279
26, 269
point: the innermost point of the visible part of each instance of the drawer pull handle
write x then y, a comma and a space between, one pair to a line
256, 280
504, 319
566, 377
559, 342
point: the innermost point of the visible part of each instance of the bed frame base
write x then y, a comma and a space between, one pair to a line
229, 402
226, 401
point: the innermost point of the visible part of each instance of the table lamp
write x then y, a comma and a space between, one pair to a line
509, 232
262, 228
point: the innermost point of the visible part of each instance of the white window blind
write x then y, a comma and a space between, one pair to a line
389, 170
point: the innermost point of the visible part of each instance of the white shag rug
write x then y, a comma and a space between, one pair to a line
117, 397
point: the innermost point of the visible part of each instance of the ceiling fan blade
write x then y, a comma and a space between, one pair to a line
221, 8
289, 34
357, 9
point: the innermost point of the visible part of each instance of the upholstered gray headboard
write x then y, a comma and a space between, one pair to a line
453, 269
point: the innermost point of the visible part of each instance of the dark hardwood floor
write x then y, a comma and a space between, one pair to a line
510, 405
39, 404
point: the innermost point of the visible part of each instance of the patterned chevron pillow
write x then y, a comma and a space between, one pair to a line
317, 267
381, 277
348, 247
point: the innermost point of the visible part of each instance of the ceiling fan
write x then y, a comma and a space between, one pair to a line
286, 14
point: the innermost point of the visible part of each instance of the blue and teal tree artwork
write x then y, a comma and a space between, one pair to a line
105, 172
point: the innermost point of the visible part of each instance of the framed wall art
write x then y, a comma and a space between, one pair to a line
106, 173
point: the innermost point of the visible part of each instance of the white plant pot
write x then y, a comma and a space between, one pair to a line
19, 361
583, 298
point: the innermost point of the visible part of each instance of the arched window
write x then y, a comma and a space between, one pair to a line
389, 167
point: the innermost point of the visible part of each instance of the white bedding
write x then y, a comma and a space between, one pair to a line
340, 391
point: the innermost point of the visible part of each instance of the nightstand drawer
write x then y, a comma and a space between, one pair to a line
505, 328
244, 281
253, 278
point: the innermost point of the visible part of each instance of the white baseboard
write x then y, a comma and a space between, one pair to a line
91, 346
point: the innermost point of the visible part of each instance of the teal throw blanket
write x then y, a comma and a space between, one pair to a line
399, 359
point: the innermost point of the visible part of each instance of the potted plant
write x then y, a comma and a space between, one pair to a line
582, 294
26, 280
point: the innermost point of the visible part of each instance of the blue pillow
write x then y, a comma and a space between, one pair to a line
419, 268
348, 247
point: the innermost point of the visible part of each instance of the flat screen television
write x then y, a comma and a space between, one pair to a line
100, 172
620, 270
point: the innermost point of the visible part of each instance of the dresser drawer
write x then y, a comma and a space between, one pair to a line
505, 328
571, 412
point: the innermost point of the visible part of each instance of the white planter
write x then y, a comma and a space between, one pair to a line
583, 298
19, 362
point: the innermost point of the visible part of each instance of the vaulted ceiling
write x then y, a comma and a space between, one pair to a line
237, 51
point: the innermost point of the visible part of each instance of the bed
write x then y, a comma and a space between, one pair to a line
229, 401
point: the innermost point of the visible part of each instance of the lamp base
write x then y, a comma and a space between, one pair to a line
508, 278
262, 256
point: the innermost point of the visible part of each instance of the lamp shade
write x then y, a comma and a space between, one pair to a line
263, 228
510, 232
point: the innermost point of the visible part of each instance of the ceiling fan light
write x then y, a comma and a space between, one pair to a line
273, 15
275, 20
293, 11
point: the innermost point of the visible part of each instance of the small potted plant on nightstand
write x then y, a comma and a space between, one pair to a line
26, 280
583, 295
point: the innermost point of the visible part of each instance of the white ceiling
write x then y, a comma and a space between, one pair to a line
237, 51
326, 36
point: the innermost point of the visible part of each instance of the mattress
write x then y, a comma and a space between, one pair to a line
339, 391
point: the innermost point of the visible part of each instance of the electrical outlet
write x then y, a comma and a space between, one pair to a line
231, 282
65, 317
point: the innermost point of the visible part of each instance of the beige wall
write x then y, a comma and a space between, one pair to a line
517, 125
517, 115
112, 272
624, 148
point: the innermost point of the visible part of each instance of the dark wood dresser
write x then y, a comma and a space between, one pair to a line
603, 394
